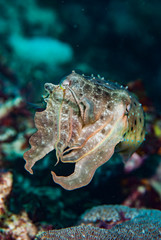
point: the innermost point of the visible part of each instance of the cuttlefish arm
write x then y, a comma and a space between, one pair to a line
84, 170
43, 141
86, 166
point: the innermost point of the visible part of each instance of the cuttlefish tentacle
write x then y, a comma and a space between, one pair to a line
72, 156
42, 141
65, 123
97, 141
86, 167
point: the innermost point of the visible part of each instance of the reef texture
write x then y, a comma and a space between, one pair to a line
12, 226
85, 119
118, 222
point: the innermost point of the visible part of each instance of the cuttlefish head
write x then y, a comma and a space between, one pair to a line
85, 119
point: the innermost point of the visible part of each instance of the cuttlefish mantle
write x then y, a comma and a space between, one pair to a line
84, 120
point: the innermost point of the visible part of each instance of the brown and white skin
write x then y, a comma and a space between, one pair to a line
85, 120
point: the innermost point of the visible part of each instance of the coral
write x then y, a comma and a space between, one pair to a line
5, 189
110, 214
16, 227
118, 222
15, 127
134, 162
74, 233
81, 131
140, 193
9, 105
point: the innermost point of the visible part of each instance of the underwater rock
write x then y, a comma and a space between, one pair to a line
85, 119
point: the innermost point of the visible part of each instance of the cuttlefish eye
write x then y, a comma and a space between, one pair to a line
67, 82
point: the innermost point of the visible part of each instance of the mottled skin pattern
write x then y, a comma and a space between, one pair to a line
84, 120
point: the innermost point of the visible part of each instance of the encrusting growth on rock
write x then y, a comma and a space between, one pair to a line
111, 222
84, 120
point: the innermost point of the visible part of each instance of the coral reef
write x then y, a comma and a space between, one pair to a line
15, 127
118, 222
77, 233
5, 189
16, 227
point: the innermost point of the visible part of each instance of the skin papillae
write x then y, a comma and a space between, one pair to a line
85, 119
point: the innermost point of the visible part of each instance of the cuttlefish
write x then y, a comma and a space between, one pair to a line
86, 120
